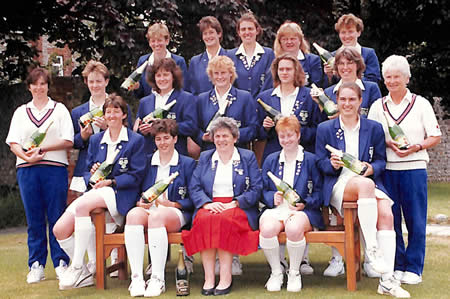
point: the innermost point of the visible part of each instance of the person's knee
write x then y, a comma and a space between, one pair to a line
156, 219
268, 229
295, 229
365, 184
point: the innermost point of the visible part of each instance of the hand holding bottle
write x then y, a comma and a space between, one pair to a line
336, 161
34, 155
142, 204
145, 128
369, 170
100, 122
268, 123
278, 198
298, 207
207, 137
103, 183
402, 153
86, 132
94, 167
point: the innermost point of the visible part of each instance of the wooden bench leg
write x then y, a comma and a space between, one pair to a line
99, 222
350, 250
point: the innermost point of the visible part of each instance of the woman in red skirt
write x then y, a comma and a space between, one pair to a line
225, 189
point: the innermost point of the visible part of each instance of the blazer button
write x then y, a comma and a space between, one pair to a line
234, 185
249, 78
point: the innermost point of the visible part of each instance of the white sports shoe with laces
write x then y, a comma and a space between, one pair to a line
274, 282
294, 283
137, 287
393, 288
335, 267
60, 269
36, 273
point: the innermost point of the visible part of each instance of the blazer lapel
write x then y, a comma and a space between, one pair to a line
339, 135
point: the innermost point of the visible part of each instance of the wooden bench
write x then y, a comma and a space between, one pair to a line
344, 237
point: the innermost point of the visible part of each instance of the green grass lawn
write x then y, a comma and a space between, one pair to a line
438, 199
13, 271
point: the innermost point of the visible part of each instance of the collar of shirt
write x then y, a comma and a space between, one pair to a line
151, 59
222, 99
217, 54
357, 82
277, 92
236, 157
356, 128
300, 55
407, 97
156, 161
50, 105
299, 157
123, 136
258, 50
161, 100
92, 104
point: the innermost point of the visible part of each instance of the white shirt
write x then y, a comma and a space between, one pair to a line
286, 102
289, 167
417, 124
151, 59
351, 143
123, 136
161, 100
22, 127
300, 55
164, 170
223, 182
209, 55
222, 100
259, 50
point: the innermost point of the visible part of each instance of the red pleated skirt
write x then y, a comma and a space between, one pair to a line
229, 231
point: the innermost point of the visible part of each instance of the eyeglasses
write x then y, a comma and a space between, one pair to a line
348, 63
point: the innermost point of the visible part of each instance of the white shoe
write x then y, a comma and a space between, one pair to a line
306, 268
294, 283
137, 287
335, 267
36, 273
376, 260
411, 278
236, 266
393, 288
92, 267
60, 269
398, 275
155, 287
274, 282
75, 278
369, 271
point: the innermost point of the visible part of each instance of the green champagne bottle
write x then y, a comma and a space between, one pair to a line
289, 193
181, 276
325, 55
349, 161
88, 117
159, 113
104, 169
37, 137
134, 78
219, 113
158, 188
273, 113
325, 102
396, 133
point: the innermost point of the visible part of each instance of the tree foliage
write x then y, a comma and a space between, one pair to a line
114, 30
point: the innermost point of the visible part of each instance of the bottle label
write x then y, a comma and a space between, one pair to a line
182, 287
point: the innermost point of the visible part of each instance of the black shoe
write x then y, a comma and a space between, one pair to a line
208, 292
219, 292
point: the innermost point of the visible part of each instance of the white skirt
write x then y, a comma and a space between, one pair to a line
78, 184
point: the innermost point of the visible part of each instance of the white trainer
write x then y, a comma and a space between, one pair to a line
393, 288
411, 278
60, 269
335, 267
236, 266
155, 287
369, 271
274, 282
92, 267
294, 283
306, 268
376, 260
36, 273
137, 286
75, 278
398, 275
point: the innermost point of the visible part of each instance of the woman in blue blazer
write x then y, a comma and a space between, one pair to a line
211, 31
158, 37
290, 97
297, 168
364, 139
118, 192
252, 60
349, 65
225, 189
232, 102
172, 211
166, 79
291, 40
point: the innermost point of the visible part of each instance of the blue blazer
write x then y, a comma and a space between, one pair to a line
184, 112
307, 184
305, 109
198, 80
144, 88
253, 79
312, 67
178, 189
247, 183
372, 149
370, 94
372, 72
242, 109
79, 143
128, 171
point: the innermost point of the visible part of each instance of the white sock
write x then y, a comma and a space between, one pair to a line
368, 217
68, 245
386, 241
295, 251
335, 253
271, 248
135, 245
306, 253
158, 245
83, 233
91, 249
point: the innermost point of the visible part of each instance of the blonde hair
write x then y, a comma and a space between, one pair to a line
221, 62
290, 28
158, 30
95, 66
349, 20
